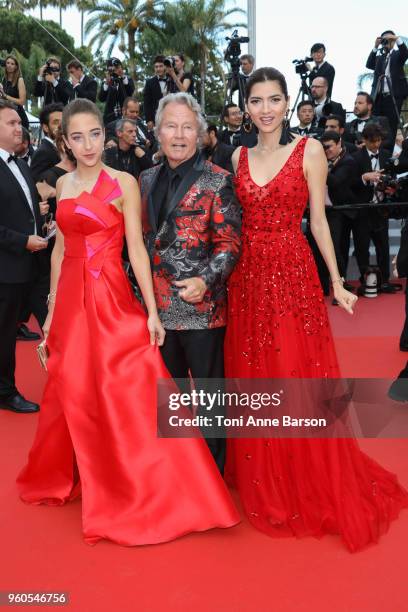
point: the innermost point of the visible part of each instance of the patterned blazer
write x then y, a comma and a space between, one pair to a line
199, 237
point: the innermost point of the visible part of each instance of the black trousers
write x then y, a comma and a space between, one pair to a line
340, 227
379, 235
11, 297
37, 290
199, 353
384, 106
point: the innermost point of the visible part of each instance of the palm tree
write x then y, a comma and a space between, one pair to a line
121, 21
84, 6
195, 27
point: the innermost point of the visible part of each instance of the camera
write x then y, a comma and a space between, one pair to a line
300, 65
2, 63
233, 51
389, 178
50, 69
169, 62
111, 65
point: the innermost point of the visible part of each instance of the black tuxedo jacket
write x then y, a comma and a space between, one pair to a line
351, 133
340, 181
60, 93
327, 71
312, 132
43, 159
86, 89
364, 193
398, 78
114, 97
152, 94
403, 158
243, 138
17, 223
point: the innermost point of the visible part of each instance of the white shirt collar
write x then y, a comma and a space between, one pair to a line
5, 154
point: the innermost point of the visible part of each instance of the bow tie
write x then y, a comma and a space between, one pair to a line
374, 155
12, 158
162, 79
359, 121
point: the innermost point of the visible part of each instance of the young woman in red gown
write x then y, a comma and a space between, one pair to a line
97, 428
278, 328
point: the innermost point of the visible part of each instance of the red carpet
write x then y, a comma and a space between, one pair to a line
238, 569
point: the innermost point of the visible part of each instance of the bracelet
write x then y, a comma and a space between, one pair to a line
51, 297
338, 280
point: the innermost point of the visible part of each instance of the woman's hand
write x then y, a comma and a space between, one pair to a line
47, 322
346, 299
156, 329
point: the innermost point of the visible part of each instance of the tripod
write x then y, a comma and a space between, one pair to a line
304, 92
384, 78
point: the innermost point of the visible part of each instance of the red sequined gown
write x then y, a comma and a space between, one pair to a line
278, 328
97, 431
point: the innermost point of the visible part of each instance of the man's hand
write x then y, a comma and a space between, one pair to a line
377, 42
150, 125
50, 78
193, 289
41, 70
372, 177
35, 243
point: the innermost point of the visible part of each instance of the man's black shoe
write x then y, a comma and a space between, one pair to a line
403, 346
17, 403
399, 388
387, 288
23, 333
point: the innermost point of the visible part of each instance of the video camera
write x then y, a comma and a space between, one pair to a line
233, 51
2, 63
390, 180
300, 65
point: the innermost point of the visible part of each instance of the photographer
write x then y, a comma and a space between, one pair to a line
371, 160
336, 123
180, 80
47, 155
324, 105
50, 86
340, 180
12, 87
235, 134
321, 68
390, 86
131, 110
215, 151
83, 86
115, 88
155, 89
306, 115
363, 110
128, 156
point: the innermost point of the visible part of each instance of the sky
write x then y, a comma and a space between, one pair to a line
287, 30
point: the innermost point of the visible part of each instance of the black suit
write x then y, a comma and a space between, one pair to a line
85, 89
377, 223
325, 70
114, 96
18, 267
312, 131
152, 94
340, 182
60, 93
352, 134
44, 158
383, 104
220, 155
239, 138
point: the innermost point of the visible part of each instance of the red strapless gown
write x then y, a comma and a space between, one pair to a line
97, 425
278, 328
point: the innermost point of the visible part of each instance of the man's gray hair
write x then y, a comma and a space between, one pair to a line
184, 99
120, 124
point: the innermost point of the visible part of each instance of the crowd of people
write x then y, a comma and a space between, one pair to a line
211, 270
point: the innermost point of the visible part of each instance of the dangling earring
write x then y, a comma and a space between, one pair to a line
247, 123
286, 135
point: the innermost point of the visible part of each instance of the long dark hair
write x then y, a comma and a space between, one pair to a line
17, 72
262, 75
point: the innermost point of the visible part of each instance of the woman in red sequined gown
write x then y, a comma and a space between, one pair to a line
278, 328
97, 432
